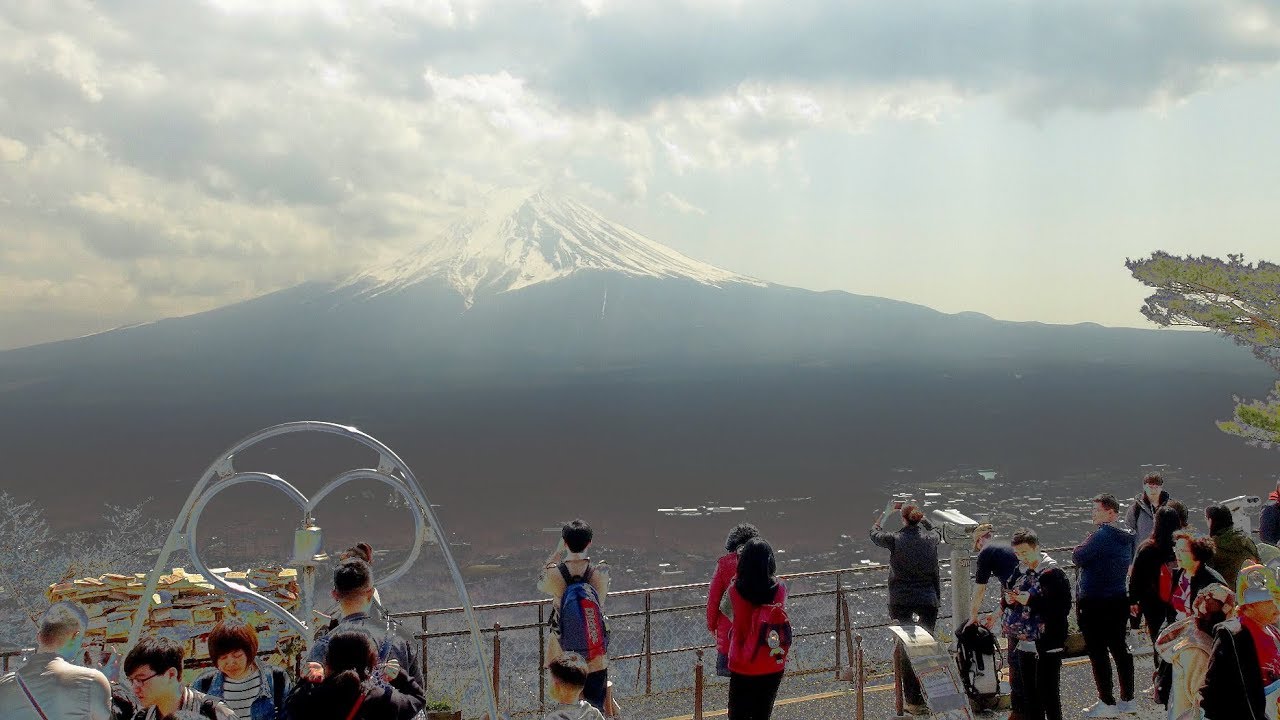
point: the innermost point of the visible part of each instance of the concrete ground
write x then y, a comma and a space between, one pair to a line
820, 697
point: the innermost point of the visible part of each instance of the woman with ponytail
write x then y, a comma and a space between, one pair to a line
759, 633
352, 686
915, 585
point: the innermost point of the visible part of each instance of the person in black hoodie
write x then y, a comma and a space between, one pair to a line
353, 687
1036, 602
1246, 653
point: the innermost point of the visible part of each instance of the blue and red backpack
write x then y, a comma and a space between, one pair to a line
583, 625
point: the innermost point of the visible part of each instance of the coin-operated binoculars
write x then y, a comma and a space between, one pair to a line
308, 537
1240, 506
956, 530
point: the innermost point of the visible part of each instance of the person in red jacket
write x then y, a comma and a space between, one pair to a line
717, 623
757, 647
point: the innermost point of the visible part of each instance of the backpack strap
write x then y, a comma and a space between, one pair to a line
30, 698
570, 578
355, 709
277, 691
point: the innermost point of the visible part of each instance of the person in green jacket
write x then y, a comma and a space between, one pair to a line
1232, 549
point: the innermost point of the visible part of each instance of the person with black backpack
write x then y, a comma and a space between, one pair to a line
760, 635
253, 690
578, 623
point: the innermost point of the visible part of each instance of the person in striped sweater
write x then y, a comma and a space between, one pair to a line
253, 690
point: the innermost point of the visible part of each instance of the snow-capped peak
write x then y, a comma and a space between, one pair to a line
519, 240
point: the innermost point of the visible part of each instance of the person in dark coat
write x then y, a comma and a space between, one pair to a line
1151, 579
1269, 521
915, 584
1102, 607
1246, 653
353, 682
1141, 517
1232, 549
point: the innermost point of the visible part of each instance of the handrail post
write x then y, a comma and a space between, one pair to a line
860, 677
426, 676
898, 704
648, 643
497, 658
542, 659
697, 685
839, 604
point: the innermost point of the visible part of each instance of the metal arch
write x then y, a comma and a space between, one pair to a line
235, 588
419, 520
221, 470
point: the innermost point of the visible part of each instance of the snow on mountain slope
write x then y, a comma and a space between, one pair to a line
520, 240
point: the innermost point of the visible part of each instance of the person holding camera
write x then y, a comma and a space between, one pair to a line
915, 584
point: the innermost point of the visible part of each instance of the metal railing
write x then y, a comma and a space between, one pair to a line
657, 638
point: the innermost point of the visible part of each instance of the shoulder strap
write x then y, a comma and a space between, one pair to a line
570, 578
277, 690
30, 698
355, 709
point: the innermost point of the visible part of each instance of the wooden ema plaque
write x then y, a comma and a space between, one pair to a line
936, 671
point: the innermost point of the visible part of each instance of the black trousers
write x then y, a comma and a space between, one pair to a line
1105, 626
1040, 675
596, 687
751, 696
902, 614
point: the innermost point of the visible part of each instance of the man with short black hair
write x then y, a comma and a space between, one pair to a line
567, 562
1102, 606
353, 589
568, 677
1141, 517
153, 670
48, 681
1036, 603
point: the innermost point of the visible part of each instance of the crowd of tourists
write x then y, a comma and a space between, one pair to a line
1207, 601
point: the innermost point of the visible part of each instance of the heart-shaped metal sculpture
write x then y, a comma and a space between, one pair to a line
222, 475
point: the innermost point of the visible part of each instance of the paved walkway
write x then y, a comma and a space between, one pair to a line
823, 698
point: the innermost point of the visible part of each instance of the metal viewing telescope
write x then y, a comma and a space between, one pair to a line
391, 470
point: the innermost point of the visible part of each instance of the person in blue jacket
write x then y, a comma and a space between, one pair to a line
1102, 606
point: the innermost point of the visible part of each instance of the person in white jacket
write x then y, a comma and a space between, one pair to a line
1187, 646
568, 677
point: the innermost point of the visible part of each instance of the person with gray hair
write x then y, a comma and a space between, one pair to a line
48, 685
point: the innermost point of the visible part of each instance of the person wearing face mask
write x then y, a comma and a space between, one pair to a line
1187, 646
1246, 652
1141, 517
50, 686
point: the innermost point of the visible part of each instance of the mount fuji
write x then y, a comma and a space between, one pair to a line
537, 341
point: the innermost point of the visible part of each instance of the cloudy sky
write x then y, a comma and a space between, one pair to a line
1003, 156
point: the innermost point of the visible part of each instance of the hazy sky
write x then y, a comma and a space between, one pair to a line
1002, 156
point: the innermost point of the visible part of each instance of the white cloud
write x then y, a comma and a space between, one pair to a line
680, 205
